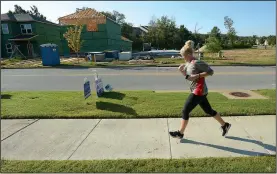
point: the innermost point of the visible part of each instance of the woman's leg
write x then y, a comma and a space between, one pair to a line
219, 119
183, 126
191, 102
205, 105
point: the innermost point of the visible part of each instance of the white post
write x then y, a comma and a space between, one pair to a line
95, 74
94, 58
85, 80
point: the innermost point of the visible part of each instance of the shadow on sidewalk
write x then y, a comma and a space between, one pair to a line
266, 146
115, 108
229, 149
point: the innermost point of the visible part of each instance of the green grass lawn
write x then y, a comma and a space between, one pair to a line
235, 57
231, 57
266, 164
128, 104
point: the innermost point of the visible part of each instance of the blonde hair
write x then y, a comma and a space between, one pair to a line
187, 48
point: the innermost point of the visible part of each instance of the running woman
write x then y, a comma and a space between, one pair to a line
195, 71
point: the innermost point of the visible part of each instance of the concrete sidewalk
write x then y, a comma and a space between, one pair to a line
85, 139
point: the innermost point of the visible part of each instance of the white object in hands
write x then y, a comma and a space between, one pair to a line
181, 67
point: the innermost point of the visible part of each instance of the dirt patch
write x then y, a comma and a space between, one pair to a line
140, 61
242, 94
250, 54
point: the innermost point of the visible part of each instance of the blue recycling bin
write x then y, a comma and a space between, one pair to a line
50, 54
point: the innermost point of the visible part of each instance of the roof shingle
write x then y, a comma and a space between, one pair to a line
89, 17
88, 13
22, 18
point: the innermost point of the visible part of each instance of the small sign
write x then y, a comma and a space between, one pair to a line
99, 87
108, 87
87, 90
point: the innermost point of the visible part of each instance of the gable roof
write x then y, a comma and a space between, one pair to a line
89, 17
144, 27
87, 14
23, 18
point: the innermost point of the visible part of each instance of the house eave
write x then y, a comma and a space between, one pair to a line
29, 21
23, 39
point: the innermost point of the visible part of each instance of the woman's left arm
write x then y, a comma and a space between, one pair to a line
205, 69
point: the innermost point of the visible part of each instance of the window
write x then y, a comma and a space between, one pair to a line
9, 48
5, 28
26, 28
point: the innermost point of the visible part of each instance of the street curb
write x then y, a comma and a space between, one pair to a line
137, 66
141, 118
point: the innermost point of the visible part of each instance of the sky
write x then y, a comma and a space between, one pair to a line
250, 17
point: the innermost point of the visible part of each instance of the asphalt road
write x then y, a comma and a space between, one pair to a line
145, 78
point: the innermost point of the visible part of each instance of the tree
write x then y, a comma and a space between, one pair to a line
81, 9
271, 40
231, 33
196, 36
137, 43
116, 16
200, 38
166, 29
215, 32
254, 39
109, 15
184, 35
127, 30
224, 40
151, 36
196, 30
262, 39
213, 45
19, 10
33, 12
126, 27
163, 33
119, 17
257, 41
73, 37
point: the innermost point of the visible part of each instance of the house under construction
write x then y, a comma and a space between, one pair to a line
100, 33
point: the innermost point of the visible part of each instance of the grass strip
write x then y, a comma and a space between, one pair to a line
265, 164
128, 104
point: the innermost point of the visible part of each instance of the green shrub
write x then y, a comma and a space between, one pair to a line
213, 45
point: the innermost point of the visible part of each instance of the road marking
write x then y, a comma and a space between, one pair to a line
141, 74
